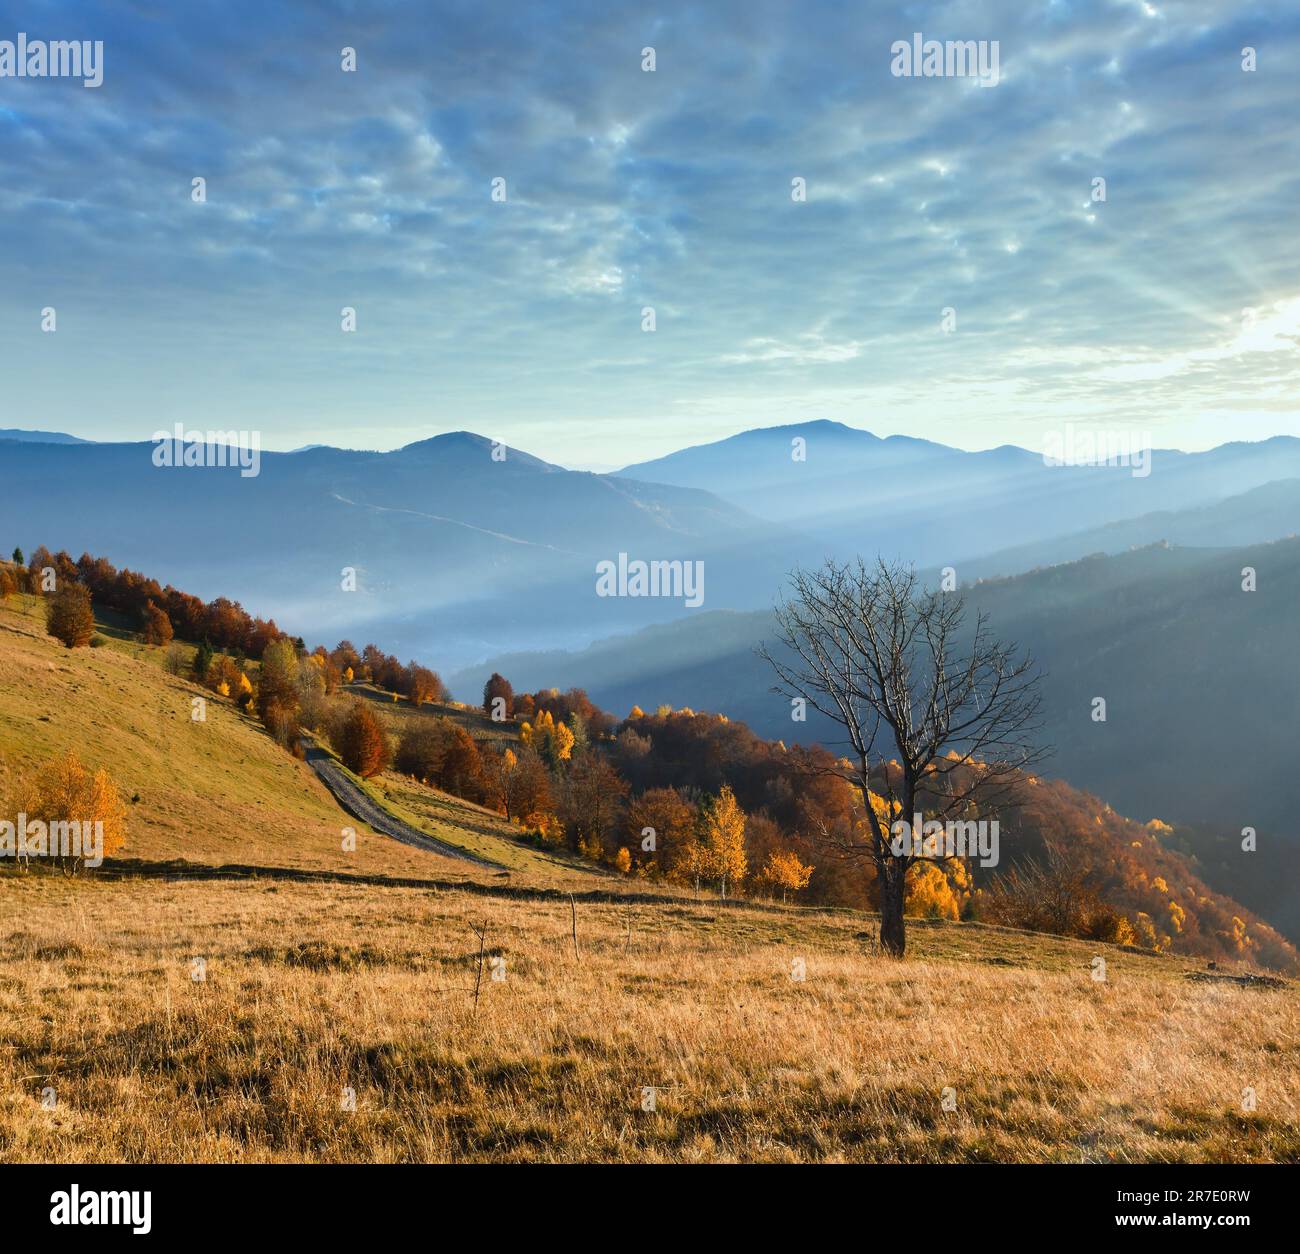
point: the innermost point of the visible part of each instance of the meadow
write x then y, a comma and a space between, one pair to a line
237, 987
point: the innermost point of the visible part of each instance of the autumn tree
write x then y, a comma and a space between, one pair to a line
461, 771
8, 584
157, 626
498, 688
40, 562
785, 872
277, 691
659, 828
362, 744
68, 615
64, 793
591, 793
553, 741
224, 673
900, 671
421, 749
521, 784
422, 684
722, 841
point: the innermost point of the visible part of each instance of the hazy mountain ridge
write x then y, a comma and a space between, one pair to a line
933, 505
1201, 698
17, 434
456, 554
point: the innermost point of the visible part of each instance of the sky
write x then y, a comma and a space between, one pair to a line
1170, 310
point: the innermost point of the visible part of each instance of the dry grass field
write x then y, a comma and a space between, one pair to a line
326, 971
312, 989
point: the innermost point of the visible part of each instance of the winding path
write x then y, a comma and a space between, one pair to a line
361, 806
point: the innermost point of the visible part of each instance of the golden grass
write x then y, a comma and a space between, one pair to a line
311, 989
328, 970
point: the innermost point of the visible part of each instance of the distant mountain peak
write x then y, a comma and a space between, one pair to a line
447, 439
41, 437
451, 445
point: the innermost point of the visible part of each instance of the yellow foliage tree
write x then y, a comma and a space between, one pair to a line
930, 895
561, 739
66, 792
536, 732
722, 840
783, 870
623, 859
1145, 931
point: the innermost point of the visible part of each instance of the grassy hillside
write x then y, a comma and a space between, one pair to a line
325, 971
218, 791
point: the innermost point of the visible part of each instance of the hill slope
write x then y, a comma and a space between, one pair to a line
311, 989
1201, 692
477, 1018
218, 792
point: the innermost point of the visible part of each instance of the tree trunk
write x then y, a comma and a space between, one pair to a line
893, 890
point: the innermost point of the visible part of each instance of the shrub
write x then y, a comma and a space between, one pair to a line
68, 616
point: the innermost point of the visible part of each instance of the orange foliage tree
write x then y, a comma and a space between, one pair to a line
363, 746
68, 616
157, 626
64, 792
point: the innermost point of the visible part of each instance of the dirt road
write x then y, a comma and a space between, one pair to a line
358, 804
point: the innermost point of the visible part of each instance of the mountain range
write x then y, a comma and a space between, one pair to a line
473, 558
463, 549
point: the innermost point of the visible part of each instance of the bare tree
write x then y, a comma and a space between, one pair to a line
939, 719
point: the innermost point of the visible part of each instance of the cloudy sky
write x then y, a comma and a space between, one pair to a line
670, 189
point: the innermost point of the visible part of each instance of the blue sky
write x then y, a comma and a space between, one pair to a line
625, 189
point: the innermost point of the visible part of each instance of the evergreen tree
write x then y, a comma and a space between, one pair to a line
202, 660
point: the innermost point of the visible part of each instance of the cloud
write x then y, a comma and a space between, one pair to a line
669, 189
